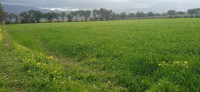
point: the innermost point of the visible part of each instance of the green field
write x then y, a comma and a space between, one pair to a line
155, 55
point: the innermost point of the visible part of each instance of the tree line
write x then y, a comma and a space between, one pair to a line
36, 16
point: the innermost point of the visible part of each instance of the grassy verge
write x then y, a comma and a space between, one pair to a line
23, 69
29, 70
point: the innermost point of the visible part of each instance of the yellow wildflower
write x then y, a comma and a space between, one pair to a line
28, 60
176, 62
38, 63
159, 64
50, 57
186, 62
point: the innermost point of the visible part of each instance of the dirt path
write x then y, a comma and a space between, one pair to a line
5, 37
6, 44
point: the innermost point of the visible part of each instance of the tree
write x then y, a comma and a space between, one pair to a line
105, 14
31, 15
38, 16
192, 11
140, 14
35, 15
5, 17
171, 12
1, 13
131, 15
24, 17
80, 13
108, 14
102, 13
57, 15
115, 16
95, 14
123, 15
87, 14
76, 14
50, 16
150, 14
16, 18
10, 17
158, 14
180, 12
70, 17
62, 15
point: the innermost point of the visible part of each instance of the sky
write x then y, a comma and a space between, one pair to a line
109, 4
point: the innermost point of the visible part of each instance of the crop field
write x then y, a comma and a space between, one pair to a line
155, 55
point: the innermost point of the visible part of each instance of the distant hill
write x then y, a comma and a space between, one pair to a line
159, 8
18, 9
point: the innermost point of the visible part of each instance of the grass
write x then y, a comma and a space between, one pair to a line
133, 55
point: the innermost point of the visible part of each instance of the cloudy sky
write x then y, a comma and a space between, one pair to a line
110, 4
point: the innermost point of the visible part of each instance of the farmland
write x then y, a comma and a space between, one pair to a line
132, 55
